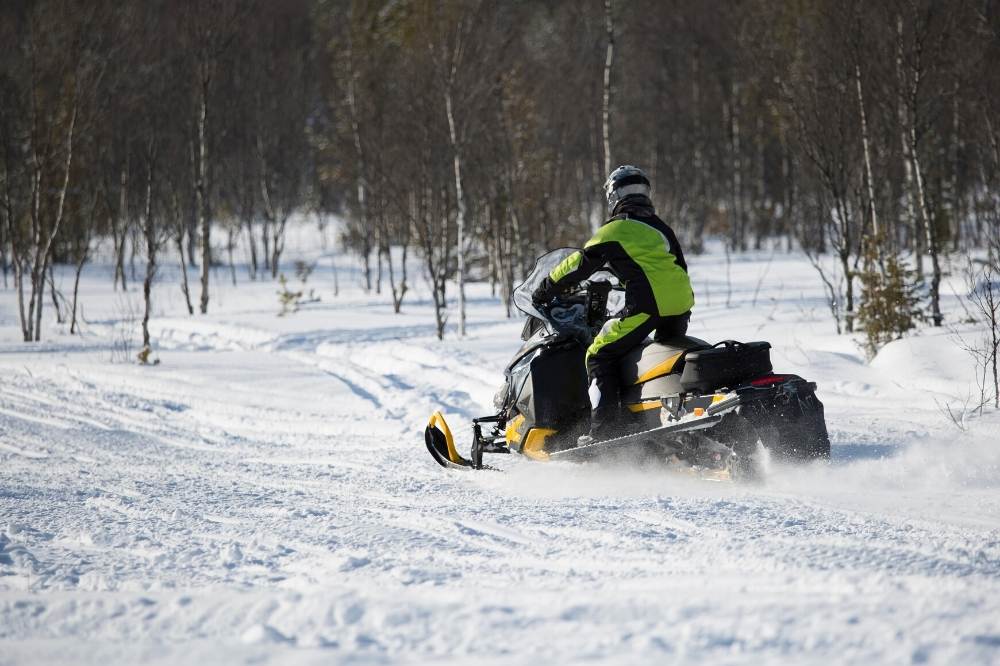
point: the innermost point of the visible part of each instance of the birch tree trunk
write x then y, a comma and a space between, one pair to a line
398, 291
359, 152
230, 243
80, 261
119, 226
265, 235
19, 286
917, 72
55, 294
252, 242
379, 250
956, 214
737, 224
3, 249
201, 186
698, 161
870, 187
912, 220
274, 218
279, 244
149, 230
185, 289
609, 56
43, 249
460, 201
843, 245
932, 246
515, 263
180, 221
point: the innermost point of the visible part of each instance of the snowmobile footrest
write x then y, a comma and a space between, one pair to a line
581, 453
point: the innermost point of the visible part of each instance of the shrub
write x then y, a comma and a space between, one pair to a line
890, 303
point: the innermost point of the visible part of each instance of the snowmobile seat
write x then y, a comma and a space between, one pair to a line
653, 369
654, 359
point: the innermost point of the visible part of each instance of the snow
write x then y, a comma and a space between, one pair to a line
263, 495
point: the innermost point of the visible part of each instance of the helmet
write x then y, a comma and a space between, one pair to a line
625, 181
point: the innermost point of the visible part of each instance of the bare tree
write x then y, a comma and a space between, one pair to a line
983, 284
209, 30
609, 59
152, 235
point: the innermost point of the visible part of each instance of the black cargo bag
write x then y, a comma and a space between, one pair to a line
726, 363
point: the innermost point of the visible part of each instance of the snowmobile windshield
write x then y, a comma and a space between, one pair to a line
544, 266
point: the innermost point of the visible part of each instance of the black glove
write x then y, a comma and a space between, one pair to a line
543, 294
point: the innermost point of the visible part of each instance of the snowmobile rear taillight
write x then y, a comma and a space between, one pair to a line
770, 380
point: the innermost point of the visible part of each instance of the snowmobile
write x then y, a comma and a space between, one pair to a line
715, 411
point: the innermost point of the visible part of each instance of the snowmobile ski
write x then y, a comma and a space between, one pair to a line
441, 444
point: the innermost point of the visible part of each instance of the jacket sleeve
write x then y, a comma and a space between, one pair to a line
675, 249
573, 269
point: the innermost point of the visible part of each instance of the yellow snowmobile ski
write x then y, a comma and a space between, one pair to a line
441, 443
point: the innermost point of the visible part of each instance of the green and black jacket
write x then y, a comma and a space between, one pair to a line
643, 252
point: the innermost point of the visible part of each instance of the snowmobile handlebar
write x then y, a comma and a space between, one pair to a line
580, 310
588, 285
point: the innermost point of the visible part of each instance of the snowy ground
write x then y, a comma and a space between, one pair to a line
263, 496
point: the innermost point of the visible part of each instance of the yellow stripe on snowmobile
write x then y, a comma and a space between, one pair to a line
534, 443
660, 369
645, 406
511, 434
437, 421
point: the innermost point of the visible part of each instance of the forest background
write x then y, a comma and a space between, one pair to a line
476, 135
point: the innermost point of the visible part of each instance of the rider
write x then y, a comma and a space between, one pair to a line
643, 252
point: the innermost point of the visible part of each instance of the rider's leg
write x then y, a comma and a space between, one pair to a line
616, 338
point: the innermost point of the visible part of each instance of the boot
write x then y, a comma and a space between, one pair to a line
604, 410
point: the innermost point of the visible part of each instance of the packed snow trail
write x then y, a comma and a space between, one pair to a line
263, 496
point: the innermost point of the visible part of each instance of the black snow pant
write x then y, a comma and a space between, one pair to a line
617, 338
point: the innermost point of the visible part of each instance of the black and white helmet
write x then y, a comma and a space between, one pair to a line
625, 181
